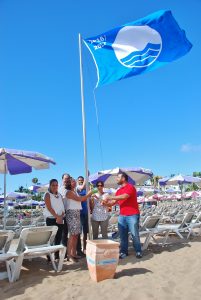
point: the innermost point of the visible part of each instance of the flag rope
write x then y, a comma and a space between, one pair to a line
97, 114
99, 132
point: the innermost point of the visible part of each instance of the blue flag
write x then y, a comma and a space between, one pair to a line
137, 47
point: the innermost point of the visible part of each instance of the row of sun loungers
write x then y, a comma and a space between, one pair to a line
17, 226
37, 241
154, 225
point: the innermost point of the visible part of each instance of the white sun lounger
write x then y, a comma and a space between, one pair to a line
39, 221
195, 224
150, 228
12, 260
37, 242
178, 228
11, 224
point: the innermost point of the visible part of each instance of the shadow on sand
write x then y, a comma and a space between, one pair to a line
131, 272
43, 270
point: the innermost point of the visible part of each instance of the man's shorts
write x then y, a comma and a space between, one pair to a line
84, 223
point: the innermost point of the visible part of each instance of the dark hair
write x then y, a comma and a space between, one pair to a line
81, 177
50, 183
65, 174
123, 174
99, 182
68, 184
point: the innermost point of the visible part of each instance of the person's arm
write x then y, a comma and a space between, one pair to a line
91, 204
113, 200
74, 196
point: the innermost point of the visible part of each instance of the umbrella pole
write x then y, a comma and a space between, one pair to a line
5, 204
84, 133
31, 211
182, 200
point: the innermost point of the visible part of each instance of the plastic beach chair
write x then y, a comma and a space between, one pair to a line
178, 228
195, 224
11, 259
39, 221
150, 228
37, 242
11, 224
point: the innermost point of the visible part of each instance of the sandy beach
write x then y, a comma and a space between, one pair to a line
172, 272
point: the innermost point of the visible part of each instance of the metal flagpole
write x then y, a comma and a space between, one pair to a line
84, 133
5, 204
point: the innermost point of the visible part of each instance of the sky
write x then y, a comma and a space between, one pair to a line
150, 121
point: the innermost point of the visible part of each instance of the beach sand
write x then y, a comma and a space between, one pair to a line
172, 272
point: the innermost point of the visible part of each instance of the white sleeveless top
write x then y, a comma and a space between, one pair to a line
56, 204
72, 204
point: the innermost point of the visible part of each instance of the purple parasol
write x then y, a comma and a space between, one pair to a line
15, 162
135, 175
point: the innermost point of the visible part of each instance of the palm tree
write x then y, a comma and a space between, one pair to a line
197, 174
35, 180
20, 189
155, 179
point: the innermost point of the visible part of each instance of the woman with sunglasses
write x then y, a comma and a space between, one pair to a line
54, 211
100, 215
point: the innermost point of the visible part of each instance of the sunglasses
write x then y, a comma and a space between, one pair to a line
99, 185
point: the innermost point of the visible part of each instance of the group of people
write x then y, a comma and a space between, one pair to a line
66, 207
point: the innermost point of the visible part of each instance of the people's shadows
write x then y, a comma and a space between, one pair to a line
171, 246
132, 272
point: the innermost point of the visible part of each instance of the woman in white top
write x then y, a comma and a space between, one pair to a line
73, 207
54, 211
100, 215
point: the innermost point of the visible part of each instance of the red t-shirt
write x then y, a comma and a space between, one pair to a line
128, 206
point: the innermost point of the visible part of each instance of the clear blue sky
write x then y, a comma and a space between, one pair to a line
151, 120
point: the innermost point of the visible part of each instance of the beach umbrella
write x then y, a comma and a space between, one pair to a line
43, 188
158, 196
164, 197
135, 176
110, 191
162, 181
192, 194
179, 180
10, 203
152, 198
147, 190
140, 193
34, 188
140, 199
15, 162
30, 202
171, 191
15, 196
171, 197
39, 188
178, 196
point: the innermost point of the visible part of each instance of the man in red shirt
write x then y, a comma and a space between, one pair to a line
129, 217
